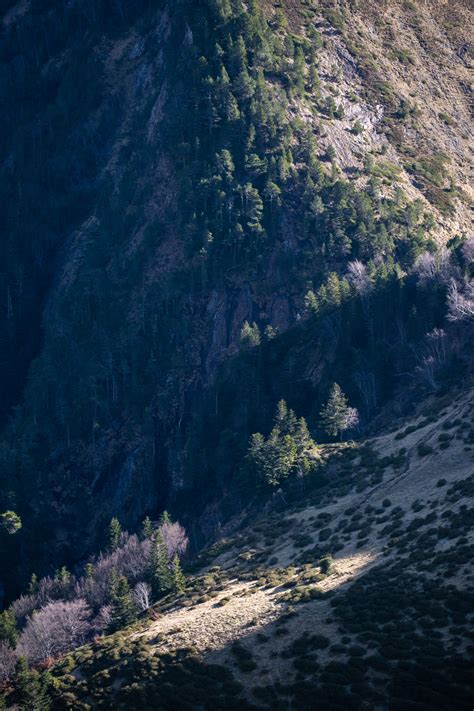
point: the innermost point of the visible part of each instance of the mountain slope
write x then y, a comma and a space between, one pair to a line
222, 164
357, 593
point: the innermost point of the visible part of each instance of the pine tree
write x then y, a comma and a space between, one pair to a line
33, 584
124, 611
286, 449
113, 582
31, 690
62, 575
114, 534
299, 70
336, 415
285, 419
333, 289
8, 631
165, 518
160, 572
10, 522
147, 528
177, 575
250, 335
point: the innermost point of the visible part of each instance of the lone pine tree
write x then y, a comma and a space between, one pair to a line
336, 416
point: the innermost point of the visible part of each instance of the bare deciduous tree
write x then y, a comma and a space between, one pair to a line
359, 278
461, 301
433, 357
142, 596
131, 560
24, 606
55, 628
351, 418
429, 267
8, 658
103, 619
468, 250
175, 539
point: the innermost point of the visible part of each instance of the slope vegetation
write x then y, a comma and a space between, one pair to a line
355, 593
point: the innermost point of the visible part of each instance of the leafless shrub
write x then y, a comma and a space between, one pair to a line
55, 628
50, 589
175, 539
131, 560
24, 606
468, 250
103, 619
8, 658
429, 267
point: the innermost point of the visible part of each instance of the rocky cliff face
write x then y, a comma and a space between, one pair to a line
125, 298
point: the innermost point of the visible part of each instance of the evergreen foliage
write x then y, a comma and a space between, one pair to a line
336, 416
177, 576
160, 576
31, 689
288, 449
8, 631
124, 611
165, 519
10, 522
33, 584
114, 534
147, 528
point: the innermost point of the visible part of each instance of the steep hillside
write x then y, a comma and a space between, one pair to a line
355, 593
210, 206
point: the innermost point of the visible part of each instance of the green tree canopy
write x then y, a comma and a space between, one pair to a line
124, 611
10, 522
336, 416
114, 534
288, 449
160, 575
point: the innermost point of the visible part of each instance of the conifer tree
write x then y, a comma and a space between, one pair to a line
124, 611
113, 582
62, 575
147, 528
165, 518
8, 631
299, 69
33, 584
336, 415
286, 449
177, 575
114, 534
250, 335
31, 689
10, 522
160, 572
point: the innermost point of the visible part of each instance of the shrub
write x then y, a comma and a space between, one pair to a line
424, 450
